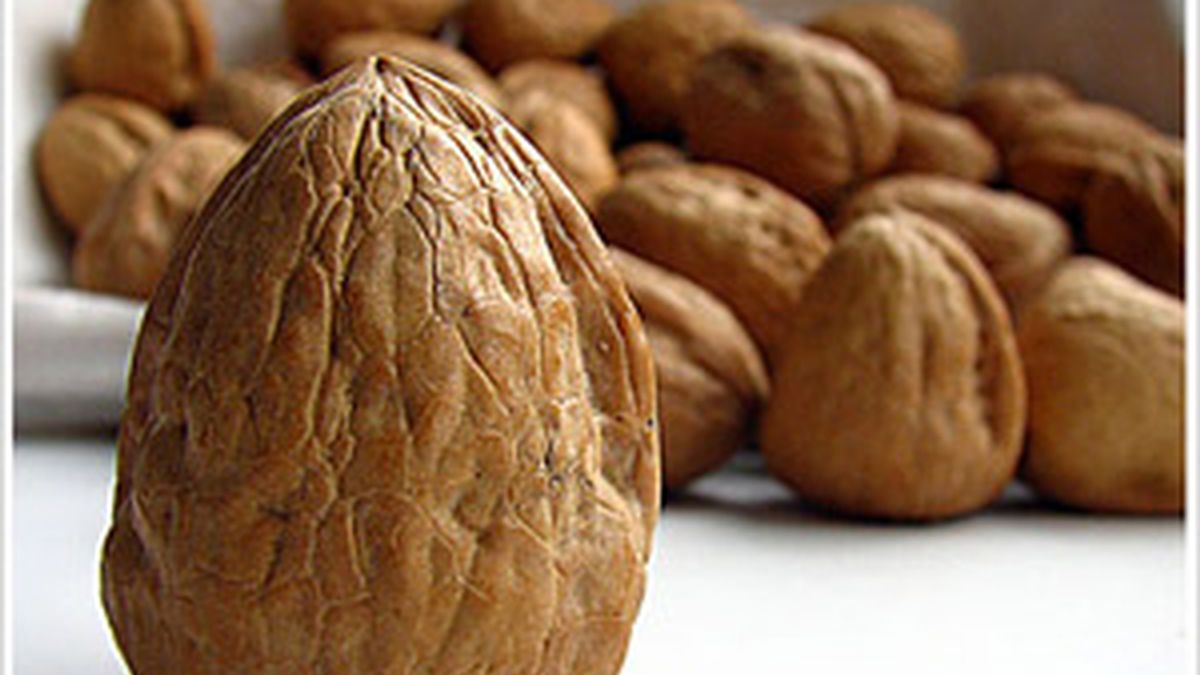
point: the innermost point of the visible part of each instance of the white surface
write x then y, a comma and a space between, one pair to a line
742, 581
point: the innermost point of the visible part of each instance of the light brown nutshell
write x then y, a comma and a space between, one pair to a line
1104, 354
650, 54
125, 249
920, 52
438, 57
245, 100
711, 378
391, 409
899, 393
647, 154
569, 81
942, 143
157, 51
312, 24
502, 32
804, 111
88, 147
744, 240
1019, 241
999, 105
570, 141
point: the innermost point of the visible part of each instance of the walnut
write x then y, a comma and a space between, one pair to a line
647, 154
503, 32
313, 24
999, 105
566, 80
245, 100
945, 144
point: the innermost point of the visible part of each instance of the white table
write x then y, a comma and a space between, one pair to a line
742, 581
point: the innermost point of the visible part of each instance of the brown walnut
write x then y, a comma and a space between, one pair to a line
313, 24
1001, 104
568, 81
503, 32
245, 100
942, 143
648, 154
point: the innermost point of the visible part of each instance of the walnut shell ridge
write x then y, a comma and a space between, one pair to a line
391, 409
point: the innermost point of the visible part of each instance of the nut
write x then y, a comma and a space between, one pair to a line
439, 58
569, 140
999, 105
920, 53
503, 32
1104, 354
568, 81
391, 409
711, 378
899, 392
125, 248
803, 111
313, 24
88, 147
1018, 240
650, 54
245, 100
157, 51
941, 143
649, 154
744, 240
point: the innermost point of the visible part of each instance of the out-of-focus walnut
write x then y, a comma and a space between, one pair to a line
942, 143
313, 24
157, 51
648, 154
245, 100
88, 147
502, 32
1000, 104
126, 247
568, 81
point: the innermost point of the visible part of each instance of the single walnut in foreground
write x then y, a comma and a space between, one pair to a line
313, 24
898, 392
941, 143
1104, 355
391, 409
502, 32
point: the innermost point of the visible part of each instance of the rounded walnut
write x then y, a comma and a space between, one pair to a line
1019, 241
159, 52
88, 147
711, 378
921, 53
245, 100
1104, 354
502, 32
649, 154
898, 393
126, 247
999, 105
569, 81
941, 143
313, 24
803, 111
744, 240
650, 54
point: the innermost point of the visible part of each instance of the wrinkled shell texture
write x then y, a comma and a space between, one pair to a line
503, 32
711, 378
1104, 354
806, 112
920, 53
649, 154
569, 140
125, 249
650, 54
899, 394
744, 240
439, 58
245, 100
568, 81
999, 105
312, 24
157, 51
88, 147
1019, 241
394, 414
944, 144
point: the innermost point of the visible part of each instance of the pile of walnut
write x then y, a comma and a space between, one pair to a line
906, 290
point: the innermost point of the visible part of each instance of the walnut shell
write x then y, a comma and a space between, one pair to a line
1019, 241
245, 100
391, 409
650, 54
803, 111
999, 105
1104, 354
941, 143
711, 378
125, 249
568, 81
921, 53
648, 154
741, 238
313, 24
899, 393
91, 143
439, 58
157, 51
503, 32
569, 140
